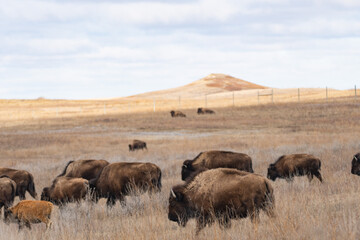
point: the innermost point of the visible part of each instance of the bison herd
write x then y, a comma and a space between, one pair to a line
218, 186
199, 111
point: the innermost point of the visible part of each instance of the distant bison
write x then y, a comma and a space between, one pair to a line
220, 194
7, 192
355, 164
177, 114
217, 159
288, 166
137, 144
30, 211
87, 169
205, 111
66, 189
23, 179
118, 179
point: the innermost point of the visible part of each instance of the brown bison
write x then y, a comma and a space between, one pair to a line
87, 169
137, 144
205, 111
7, 192
66, 189
118, 180
217, 159
30, 211
288, 166
355, 164
177, 114
220, 194
23, 179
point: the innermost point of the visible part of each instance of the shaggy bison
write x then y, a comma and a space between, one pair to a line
205, 111
177, 114
87, 169
220, 194
355, 164
137, 144
23, 179
217, 159
7, 192
288, 166
29, 211
119, 179
66, 189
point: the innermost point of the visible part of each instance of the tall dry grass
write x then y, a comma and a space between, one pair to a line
304, 210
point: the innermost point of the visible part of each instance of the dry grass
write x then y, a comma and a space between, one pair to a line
304, 210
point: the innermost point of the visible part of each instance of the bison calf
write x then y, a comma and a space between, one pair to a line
205, 111
217, 159
66, 189
137, 144
355, 164
220, 194
29, 211
7, 192
288, 166
23, 179
177, 114
119, 179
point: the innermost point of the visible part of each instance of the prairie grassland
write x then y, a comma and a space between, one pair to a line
304, 210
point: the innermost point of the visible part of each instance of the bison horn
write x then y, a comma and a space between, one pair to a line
356, 158
172, 193
184, 166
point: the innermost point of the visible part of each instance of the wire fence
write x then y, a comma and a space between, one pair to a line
43, 108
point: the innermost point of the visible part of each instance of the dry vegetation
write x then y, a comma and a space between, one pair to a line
304, 210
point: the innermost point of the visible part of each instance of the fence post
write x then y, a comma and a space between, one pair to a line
179, 102
298, 94
154, 104
233, 99
355, 92
272, 95
326, 94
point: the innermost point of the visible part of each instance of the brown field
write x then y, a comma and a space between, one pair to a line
43, 144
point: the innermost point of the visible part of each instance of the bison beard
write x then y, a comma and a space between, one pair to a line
220, 194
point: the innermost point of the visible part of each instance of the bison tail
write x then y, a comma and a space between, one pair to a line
251, 170
270, 195
158, 183
64, 171
31, 187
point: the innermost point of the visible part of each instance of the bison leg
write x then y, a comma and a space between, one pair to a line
110, 201
224, 221
318, 175
310, 176
200, 224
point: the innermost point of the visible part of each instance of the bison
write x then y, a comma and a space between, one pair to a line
217, 159
288, 166
220, 194
118, 179
7, 192
355, 164
66, 189
137, 144
30, 211
23, 179
205, 111
177, 114
87, 169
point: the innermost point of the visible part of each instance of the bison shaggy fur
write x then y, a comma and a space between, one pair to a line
87, 169
288, 166
220, 194
136, 145
177, 114
7, 192
30, 211
120, 179
217, 159
66, 189
23, 179
205, 111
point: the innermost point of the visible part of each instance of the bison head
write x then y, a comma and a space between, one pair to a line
172, 113
178, 209
199, 111
272, 172
186, 169
130, 147
355, 165
45, 195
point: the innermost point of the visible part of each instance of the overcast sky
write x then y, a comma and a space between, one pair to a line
78, 49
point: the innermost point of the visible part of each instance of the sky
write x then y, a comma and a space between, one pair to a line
82, 49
